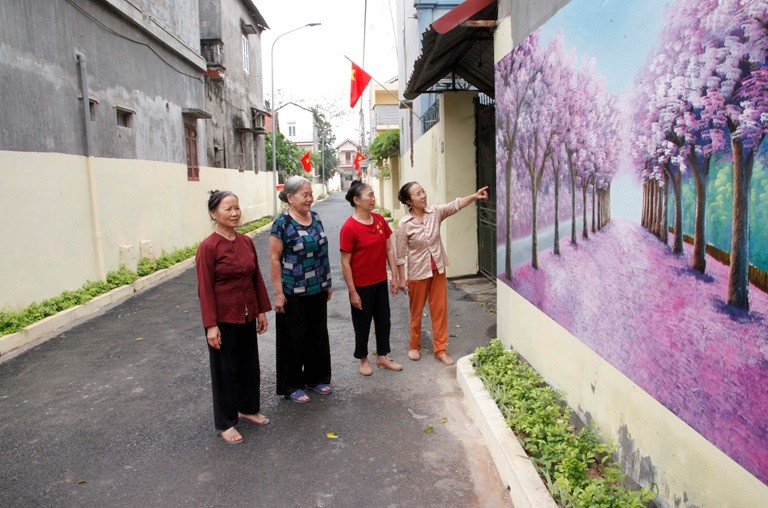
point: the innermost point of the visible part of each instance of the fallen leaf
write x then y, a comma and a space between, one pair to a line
444, 419
139, 338
429, 430
452, 335
82, 482
331, 435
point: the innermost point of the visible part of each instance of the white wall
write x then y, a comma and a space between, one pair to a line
48, 214
291, 114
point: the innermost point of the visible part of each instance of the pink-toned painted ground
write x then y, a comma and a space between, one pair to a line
666, 327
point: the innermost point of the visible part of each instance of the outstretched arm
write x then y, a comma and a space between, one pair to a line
468, 200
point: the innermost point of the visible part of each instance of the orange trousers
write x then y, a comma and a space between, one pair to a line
434, 290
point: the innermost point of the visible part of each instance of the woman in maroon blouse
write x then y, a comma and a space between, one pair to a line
233, 302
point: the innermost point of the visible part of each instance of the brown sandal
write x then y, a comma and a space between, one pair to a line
231, 436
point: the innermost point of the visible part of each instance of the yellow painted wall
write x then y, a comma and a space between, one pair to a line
444, 165
658, 446
47, 212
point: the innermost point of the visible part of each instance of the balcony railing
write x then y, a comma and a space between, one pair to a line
431, 116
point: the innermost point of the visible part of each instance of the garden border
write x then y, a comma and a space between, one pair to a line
40, 331
526, 489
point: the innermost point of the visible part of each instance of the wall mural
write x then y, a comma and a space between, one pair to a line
633, 199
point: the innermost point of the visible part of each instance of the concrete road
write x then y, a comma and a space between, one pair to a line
117, 412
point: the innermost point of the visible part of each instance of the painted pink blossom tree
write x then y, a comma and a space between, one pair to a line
736, 72
515, 76
678, 98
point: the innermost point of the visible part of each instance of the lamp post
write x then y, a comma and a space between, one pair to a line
272, 104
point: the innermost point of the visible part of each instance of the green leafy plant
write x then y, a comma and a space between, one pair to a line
384, 146
384, 212
576, 465
254, 225
14, 321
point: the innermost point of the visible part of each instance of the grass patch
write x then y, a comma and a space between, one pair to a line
253, 225
576, 466
15, 321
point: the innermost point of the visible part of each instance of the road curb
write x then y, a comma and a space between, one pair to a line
45, 328
526, 489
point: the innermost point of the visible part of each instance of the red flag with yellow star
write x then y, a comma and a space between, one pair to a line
360, 80
306, 162
358, 159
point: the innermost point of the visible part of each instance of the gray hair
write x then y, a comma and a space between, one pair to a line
292, 186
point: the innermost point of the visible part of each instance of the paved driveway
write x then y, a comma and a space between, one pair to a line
117, 412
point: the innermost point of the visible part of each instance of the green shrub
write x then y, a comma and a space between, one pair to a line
576, 466
384, 212
253, 225
14, 321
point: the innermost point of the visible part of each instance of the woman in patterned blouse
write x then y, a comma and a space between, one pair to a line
301, 278
418, 239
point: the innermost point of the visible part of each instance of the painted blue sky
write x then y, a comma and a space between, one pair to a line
620, 34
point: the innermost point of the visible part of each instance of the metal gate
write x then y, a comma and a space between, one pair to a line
485, 162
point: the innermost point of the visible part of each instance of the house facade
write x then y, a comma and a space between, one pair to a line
347, 150
113, 128
234, 89
384, 114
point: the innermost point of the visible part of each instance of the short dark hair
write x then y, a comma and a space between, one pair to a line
215, 198
405, 193
356, 190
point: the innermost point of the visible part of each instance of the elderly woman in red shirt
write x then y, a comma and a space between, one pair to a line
366, 249
233, 303
418, 238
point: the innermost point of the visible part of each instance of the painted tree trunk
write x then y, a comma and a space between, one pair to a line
738, 277
676, 184
534, 228
572, 172
508, 216
594, 192
557, 214
700, 173
644, 212
585, 225
665, 211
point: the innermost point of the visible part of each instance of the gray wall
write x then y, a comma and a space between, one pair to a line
40, 109
230, 101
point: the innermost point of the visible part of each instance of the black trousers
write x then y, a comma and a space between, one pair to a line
302, 346
235, 374
375, 300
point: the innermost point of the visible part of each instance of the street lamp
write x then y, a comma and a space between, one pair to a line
272, 104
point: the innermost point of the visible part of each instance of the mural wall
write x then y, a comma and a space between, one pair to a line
633, 199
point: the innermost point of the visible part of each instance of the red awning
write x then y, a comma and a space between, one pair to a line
459, 15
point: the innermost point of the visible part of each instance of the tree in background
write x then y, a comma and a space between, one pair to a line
384, 146
326, 159
288, 156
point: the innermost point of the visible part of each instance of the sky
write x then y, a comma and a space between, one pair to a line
631, 26
310, 67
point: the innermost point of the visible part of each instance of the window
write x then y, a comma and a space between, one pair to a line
349, 157
124, 117
291, 130
190, 143
257, 120
246, 60
92, 104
